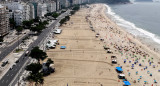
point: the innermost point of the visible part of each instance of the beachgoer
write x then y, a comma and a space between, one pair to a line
136, 72
129, 73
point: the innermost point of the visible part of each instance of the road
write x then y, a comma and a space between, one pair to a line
9, 76
9, 49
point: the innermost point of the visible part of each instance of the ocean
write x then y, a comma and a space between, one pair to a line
142, 19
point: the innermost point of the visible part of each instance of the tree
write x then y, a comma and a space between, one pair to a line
55, 15
45, 22
38, 28
37, 78
27, 24
12, 23
1, 39
76, 7
38, 54
37, 19
19, 29
34, 68
49, 61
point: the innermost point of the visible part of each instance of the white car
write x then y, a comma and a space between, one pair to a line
57, 31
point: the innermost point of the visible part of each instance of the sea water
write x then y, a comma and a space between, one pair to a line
142, 19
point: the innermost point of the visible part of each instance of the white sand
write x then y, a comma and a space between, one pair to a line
84, 63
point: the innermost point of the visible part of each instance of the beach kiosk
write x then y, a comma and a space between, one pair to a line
114, 59
126, 83
119, 69
121, 76
63, 47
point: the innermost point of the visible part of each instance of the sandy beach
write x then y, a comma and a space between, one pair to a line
85, 62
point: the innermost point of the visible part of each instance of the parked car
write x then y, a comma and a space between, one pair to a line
4, 63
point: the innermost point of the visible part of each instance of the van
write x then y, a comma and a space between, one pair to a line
27, 52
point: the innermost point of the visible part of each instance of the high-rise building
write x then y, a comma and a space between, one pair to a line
51, 6
4, 21
32, 11
41, 9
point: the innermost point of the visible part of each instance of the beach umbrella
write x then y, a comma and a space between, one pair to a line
140, 65
136, 72
140, 77
147, 71
155, 81
153, 66
132, 66
145, 82
150, 74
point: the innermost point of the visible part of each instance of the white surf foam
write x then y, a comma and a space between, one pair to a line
131, 27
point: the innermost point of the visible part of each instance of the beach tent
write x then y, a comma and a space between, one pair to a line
63, 47
121, 76
126, 83
119, 69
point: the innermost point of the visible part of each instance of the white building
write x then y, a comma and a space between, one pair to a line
51, 6
65, 3
26, 11
18, 12
18, 17
41, 9
15, 6
32, 11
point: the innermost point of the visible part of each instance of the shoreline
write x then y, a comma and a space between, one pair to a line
152, 42
84, 61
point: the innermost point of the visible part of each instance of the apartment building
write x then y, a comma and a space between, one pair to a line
4, 21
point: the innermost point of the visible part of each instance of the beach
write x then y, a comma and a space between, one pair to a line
85, 62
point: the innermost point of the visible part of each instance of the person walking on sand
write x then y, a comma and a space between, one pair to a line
136, 72
129, 73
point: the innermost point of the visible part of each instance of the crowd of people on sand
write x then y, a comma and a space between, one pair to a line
132, 54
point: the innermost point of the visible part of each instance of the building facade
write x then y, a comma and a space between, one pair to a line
18, 12
41, 9
4, 21
51, 6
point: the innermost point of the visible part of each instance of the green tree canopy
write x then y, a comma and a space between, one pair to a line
34, 68
27, 24
19, 29
37, 78
55, 15
12, 23
49, 61
38, 54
